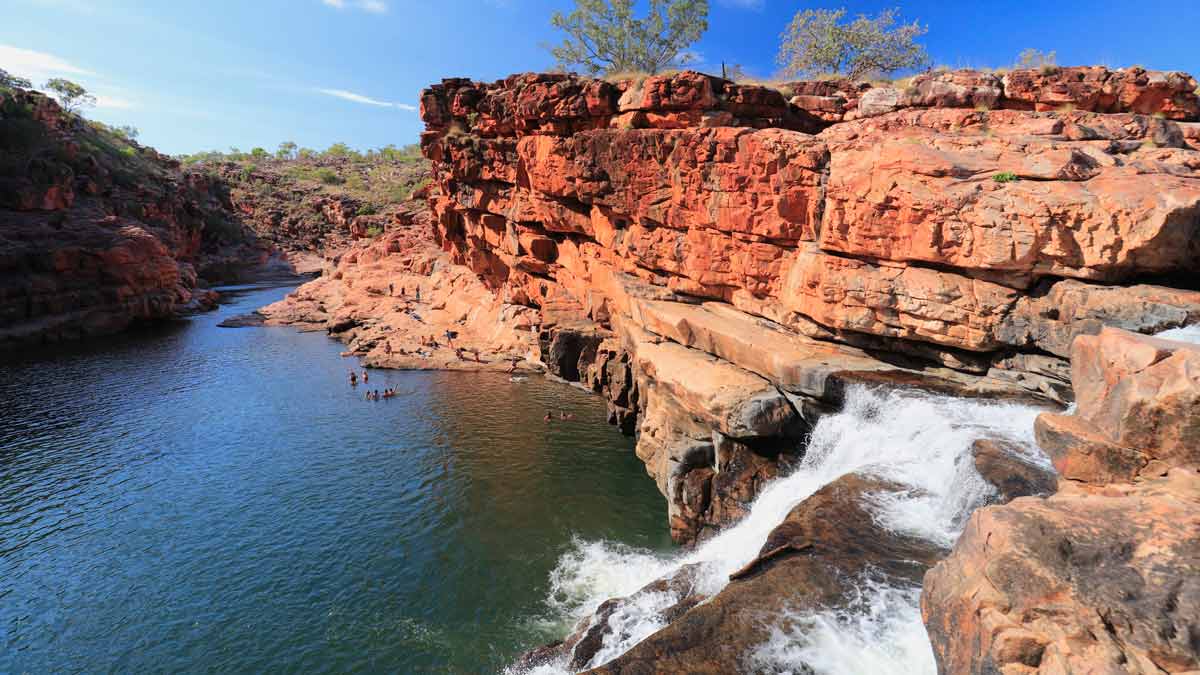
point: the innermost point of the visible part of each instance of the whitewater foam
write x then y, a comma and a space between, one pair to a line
920, 441
1185, 334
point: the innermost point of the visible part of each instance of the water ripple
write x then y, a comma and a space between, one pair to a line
201, 499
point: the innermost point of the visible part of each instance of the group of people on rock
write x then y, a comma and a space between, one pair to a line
562, 415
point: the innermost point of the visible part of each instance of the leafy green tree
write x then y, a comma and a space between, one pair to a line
287, 150
306, 153
604, 37
10, 81
72, 96
338, 150
819, 42
128, 132
259, 153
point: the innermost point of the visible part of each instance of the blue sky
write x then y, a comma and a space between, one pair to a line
195, 75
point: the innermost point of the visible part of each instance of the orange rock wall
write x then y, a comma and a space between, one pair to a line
928, 224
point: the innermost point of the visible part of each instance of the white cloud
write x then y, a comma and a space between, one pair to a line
744, 4
114, 102
359, 98
372, 6
36, 65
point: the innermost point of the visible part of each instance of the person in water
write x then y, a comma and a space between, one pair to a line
548, 416
365, 377
353, 379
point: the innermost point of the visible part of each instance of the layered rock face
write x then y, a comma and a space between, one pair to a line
1104, 575
398, 302
94, 237
720, 260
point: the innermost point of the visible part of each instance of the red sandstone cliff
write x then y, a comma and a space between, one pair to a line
97, 232
720, 259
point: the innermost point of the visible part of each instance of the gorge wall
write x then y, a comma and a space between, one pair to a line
98, 232
721, 260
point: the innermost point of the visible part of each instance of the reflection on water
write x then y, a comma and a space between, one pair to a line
197, 498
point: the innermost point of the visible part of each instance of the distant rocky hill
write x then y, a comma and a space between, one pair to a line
98, 232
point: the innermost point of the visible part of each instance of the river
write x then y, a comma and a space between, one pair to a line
195, 498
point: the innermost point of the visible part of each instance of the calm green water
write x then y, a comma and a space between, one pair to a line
199, 499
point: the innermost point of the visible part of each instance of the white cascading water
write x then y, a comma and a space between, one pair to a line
915, 439
1185, 334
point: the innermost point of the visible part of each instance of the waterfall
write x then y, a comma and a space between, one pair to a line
1186, 334
919, 440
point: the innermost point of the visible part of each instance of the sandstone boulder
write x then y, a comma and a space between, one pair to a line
810, 562
1137, 409
1085, 581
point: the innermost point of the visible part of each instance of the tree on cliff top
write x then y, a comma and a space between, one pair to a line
604, 37
72, 96
818, 42
10, 81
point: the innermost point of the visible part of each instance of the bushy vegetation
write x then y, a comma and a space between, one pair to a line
1037, 60
1005, 177
821, 42
73, 97
604, 37
10, 81
289, 151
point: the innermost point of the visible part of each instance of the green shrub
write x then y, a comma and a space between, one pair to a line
367, 210
1034, 59
1005, 177
128, 151
328, 176
374, 231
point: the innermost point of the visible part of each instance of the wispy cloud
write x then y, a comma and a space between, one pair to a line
744, 4
372, 6
359, 98
40, 66
36, 65
114, 102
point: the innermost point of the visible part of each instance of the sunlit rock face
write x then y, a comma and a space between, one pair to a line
726, 243
1100, 576
93, 238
